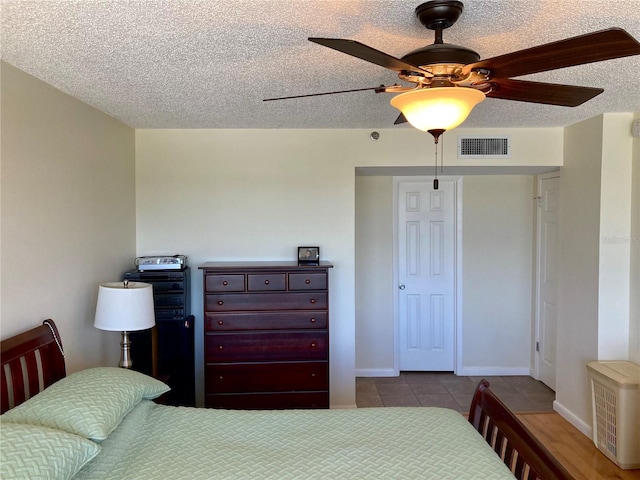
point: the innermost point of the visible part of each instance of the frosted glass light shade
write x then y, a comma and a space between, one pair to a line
123, 308
437, 108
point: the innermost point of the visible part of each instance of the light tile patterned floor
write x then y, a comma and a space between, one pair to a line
443, 389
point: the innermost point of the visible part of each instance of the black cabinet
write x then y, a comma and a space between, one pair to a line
167, 350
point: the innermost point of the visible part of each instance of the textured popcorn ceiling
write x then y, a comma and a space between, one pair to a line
209, 64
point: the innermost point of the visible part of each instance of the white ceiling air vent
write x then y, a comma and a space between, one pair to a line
484, 146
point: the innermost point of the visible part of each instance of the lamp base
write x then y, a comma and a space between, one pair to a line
125, 351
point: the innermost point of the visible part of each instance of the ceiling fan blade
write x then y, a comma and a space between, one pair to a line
592, 47
323, 93
400, 120
547, 93
364, 52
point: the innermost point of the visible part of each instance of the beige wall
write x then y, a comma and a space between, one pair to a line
374, 276
497, 231
68, 214
615, 237
257, 194
579, 238
498, 265
594, 297
634, 284
253, 195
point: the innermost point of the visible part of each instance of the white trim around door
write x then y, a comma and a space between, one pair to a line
457, 301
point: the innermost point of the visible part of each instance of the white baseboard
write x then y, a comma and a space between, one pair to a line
467, 372
493, 371
572, 419
376, 372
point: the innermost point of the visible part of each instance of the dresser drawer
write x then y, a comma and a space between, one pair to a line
266, 346
266, 377
268, 281
265, 301
264, 321
224, 283
307, 281
270, 401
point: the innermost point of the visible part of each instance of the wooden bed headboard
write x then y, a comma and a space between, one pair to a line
525, 456
31, 361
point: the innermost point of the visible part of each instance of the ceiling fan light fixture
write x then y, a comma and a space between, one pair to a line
437, 107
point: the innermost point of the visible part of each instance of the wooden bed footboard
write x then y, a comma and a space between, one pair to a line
525, 456
31, 361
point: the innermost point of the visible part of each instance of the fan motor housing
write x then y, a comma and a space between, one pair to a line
441, 53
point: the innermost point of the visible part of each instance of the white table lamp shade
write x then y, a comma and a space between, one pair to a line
125, 308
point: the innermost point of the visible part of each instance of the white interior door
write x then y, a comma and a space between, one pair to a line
547, 283
426, 276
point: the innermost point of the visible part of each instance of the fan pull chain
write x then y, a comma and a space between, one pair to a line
435, 180
436, 132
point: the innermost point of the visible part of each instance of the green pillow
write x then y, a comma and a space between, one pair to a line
89, 403
32, 452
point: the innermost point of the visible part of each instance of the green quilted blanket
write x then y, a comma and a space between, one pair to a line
162, 442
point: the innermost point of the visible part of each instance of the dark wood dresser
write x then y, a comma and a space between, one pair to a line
266, 335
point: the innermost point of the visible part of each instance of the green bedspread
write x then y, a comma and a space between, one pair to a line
161, 442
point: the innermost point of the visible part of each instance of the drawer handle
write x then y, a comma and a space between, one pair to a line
313, 300
313, 320
307, 281
266, 282
314, 344
313, 375
220, 302
220, 322
221, 377
225, 283
219, 347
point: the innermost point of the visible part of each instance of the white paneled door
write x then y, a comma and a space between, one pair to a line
547, 301
426, 275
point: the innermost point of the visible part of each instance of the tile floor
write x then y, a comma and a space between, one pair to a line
443, 389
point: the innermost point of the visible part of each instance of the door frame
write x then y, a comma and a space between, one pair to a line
538, 271
457, 254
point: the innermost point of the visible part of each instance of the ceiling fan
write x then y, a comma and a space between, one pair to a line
441, 70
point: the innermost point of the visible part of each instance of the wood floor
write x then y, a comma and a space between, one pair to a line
573, 449
521, 394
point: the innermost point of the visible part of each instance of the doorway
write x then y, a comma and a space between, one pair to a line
548, 194
427, 274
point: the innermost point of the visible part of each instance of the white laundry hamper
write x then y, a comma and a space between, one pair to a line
615, 388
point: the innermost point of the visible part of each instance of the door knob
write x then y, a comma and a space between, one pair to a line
401, 286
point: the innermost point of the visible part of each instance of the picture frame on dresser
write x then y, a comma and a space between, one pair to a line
309, 256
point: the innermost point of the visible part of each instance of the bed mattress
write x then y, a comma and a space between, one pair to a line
156, 441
